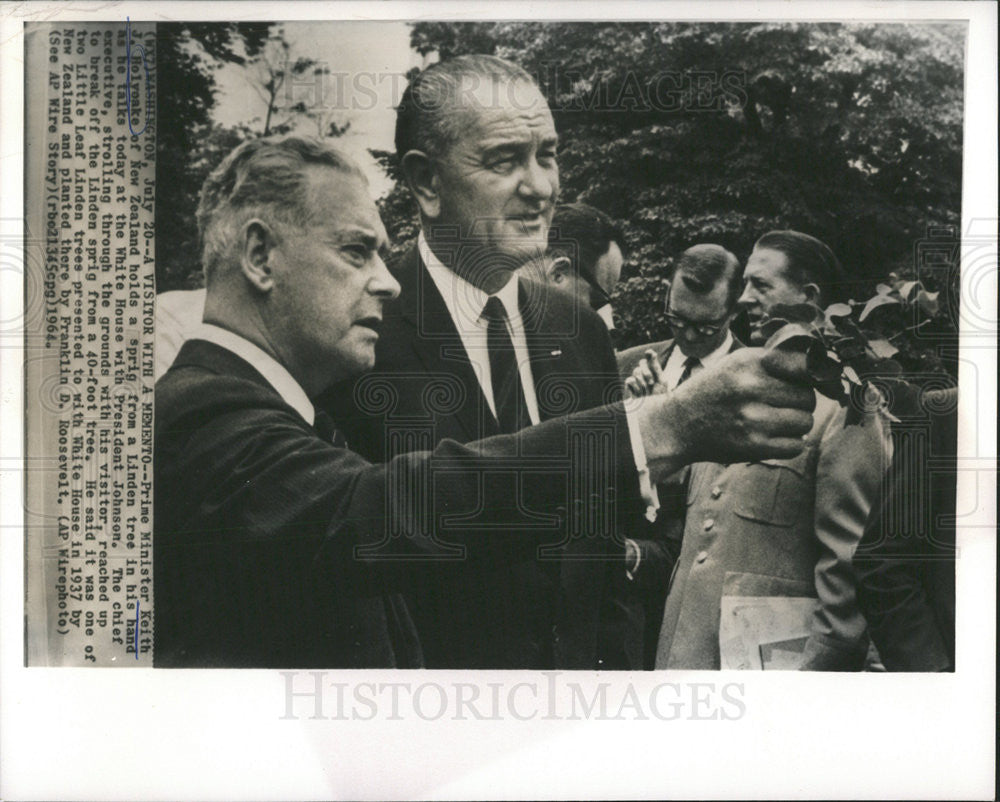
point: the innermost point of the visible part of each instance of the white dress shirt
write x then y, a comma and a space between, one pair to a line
465, 304
266, 365
675, 362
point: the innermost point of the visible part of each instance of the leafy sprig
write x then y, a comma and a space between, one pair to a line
841, 357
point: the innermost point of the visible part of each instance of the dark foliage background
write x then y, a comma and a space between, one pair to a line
684, 133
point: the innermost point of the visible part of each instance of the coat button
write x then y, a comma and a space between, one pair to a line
709, 523
702, 556
716, 491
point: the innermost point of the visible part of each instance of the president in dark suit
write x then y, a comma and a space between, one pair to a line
477, 145
269, 534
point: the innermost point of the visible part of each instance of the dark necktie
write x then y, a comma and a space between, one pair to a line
323, 424
508, 397
689, 365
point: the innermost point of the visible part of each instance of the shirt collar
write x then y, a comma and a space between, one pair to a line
465, 301
606, 313
719, 352
677, 356
265, 364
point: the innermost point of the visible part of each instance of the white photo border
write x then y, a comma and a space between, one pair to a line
155, 734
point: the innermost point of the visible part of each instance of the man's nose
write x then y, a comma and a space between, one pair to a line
689, 334
747, 299
383, 283
539, 181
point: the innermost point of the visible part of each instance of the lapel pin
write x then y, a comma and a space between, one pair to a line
557, 352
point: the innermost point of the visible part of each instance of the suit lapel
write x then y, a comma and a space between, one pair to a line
437, 344
668, 349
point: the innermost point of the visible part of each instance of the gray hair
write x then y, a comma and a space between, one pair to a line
426, 119
260, 176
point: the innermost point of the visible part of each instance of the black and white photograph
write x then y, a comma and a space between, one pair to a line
471, 404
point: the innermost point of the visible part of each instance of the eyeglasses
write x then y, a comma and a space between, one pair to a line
705, 328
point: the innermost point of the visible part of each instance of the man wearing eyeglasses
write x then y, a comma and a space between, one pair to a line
701, 302
704, 285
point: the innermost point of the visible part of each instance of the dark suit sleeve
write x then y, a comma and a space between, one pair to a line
892, 591
906, 561
256, 472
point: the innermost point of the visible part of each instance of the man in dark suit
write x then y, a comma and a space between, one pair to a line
585, 257
477, 145
905, 562
269, 534
703, 285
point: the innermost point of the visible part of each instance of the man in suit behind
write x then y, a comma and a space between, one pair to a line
585, 257
702, 289
703, 286
268, 531
477, 145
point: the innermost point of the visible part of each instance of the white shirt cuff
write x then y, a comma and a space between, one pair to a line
646, 489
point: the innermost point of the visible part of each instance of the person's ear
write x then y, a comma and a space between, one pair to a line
558, 269
421, 177
256, 259
811, 291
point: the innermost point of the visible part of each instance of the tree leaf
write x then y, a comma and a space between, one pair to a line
772, 325
928, 302
873, 303
887, 367
834, 390
796, 337
849, 349
906, 289
838, 310
883, 349
821, 365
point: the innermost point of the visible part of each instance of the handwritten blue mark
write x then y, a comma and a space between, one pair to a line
128, 78
137, 629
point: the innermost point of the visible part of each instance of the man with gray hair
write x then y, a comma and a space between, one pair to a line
268, 531
477, 146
